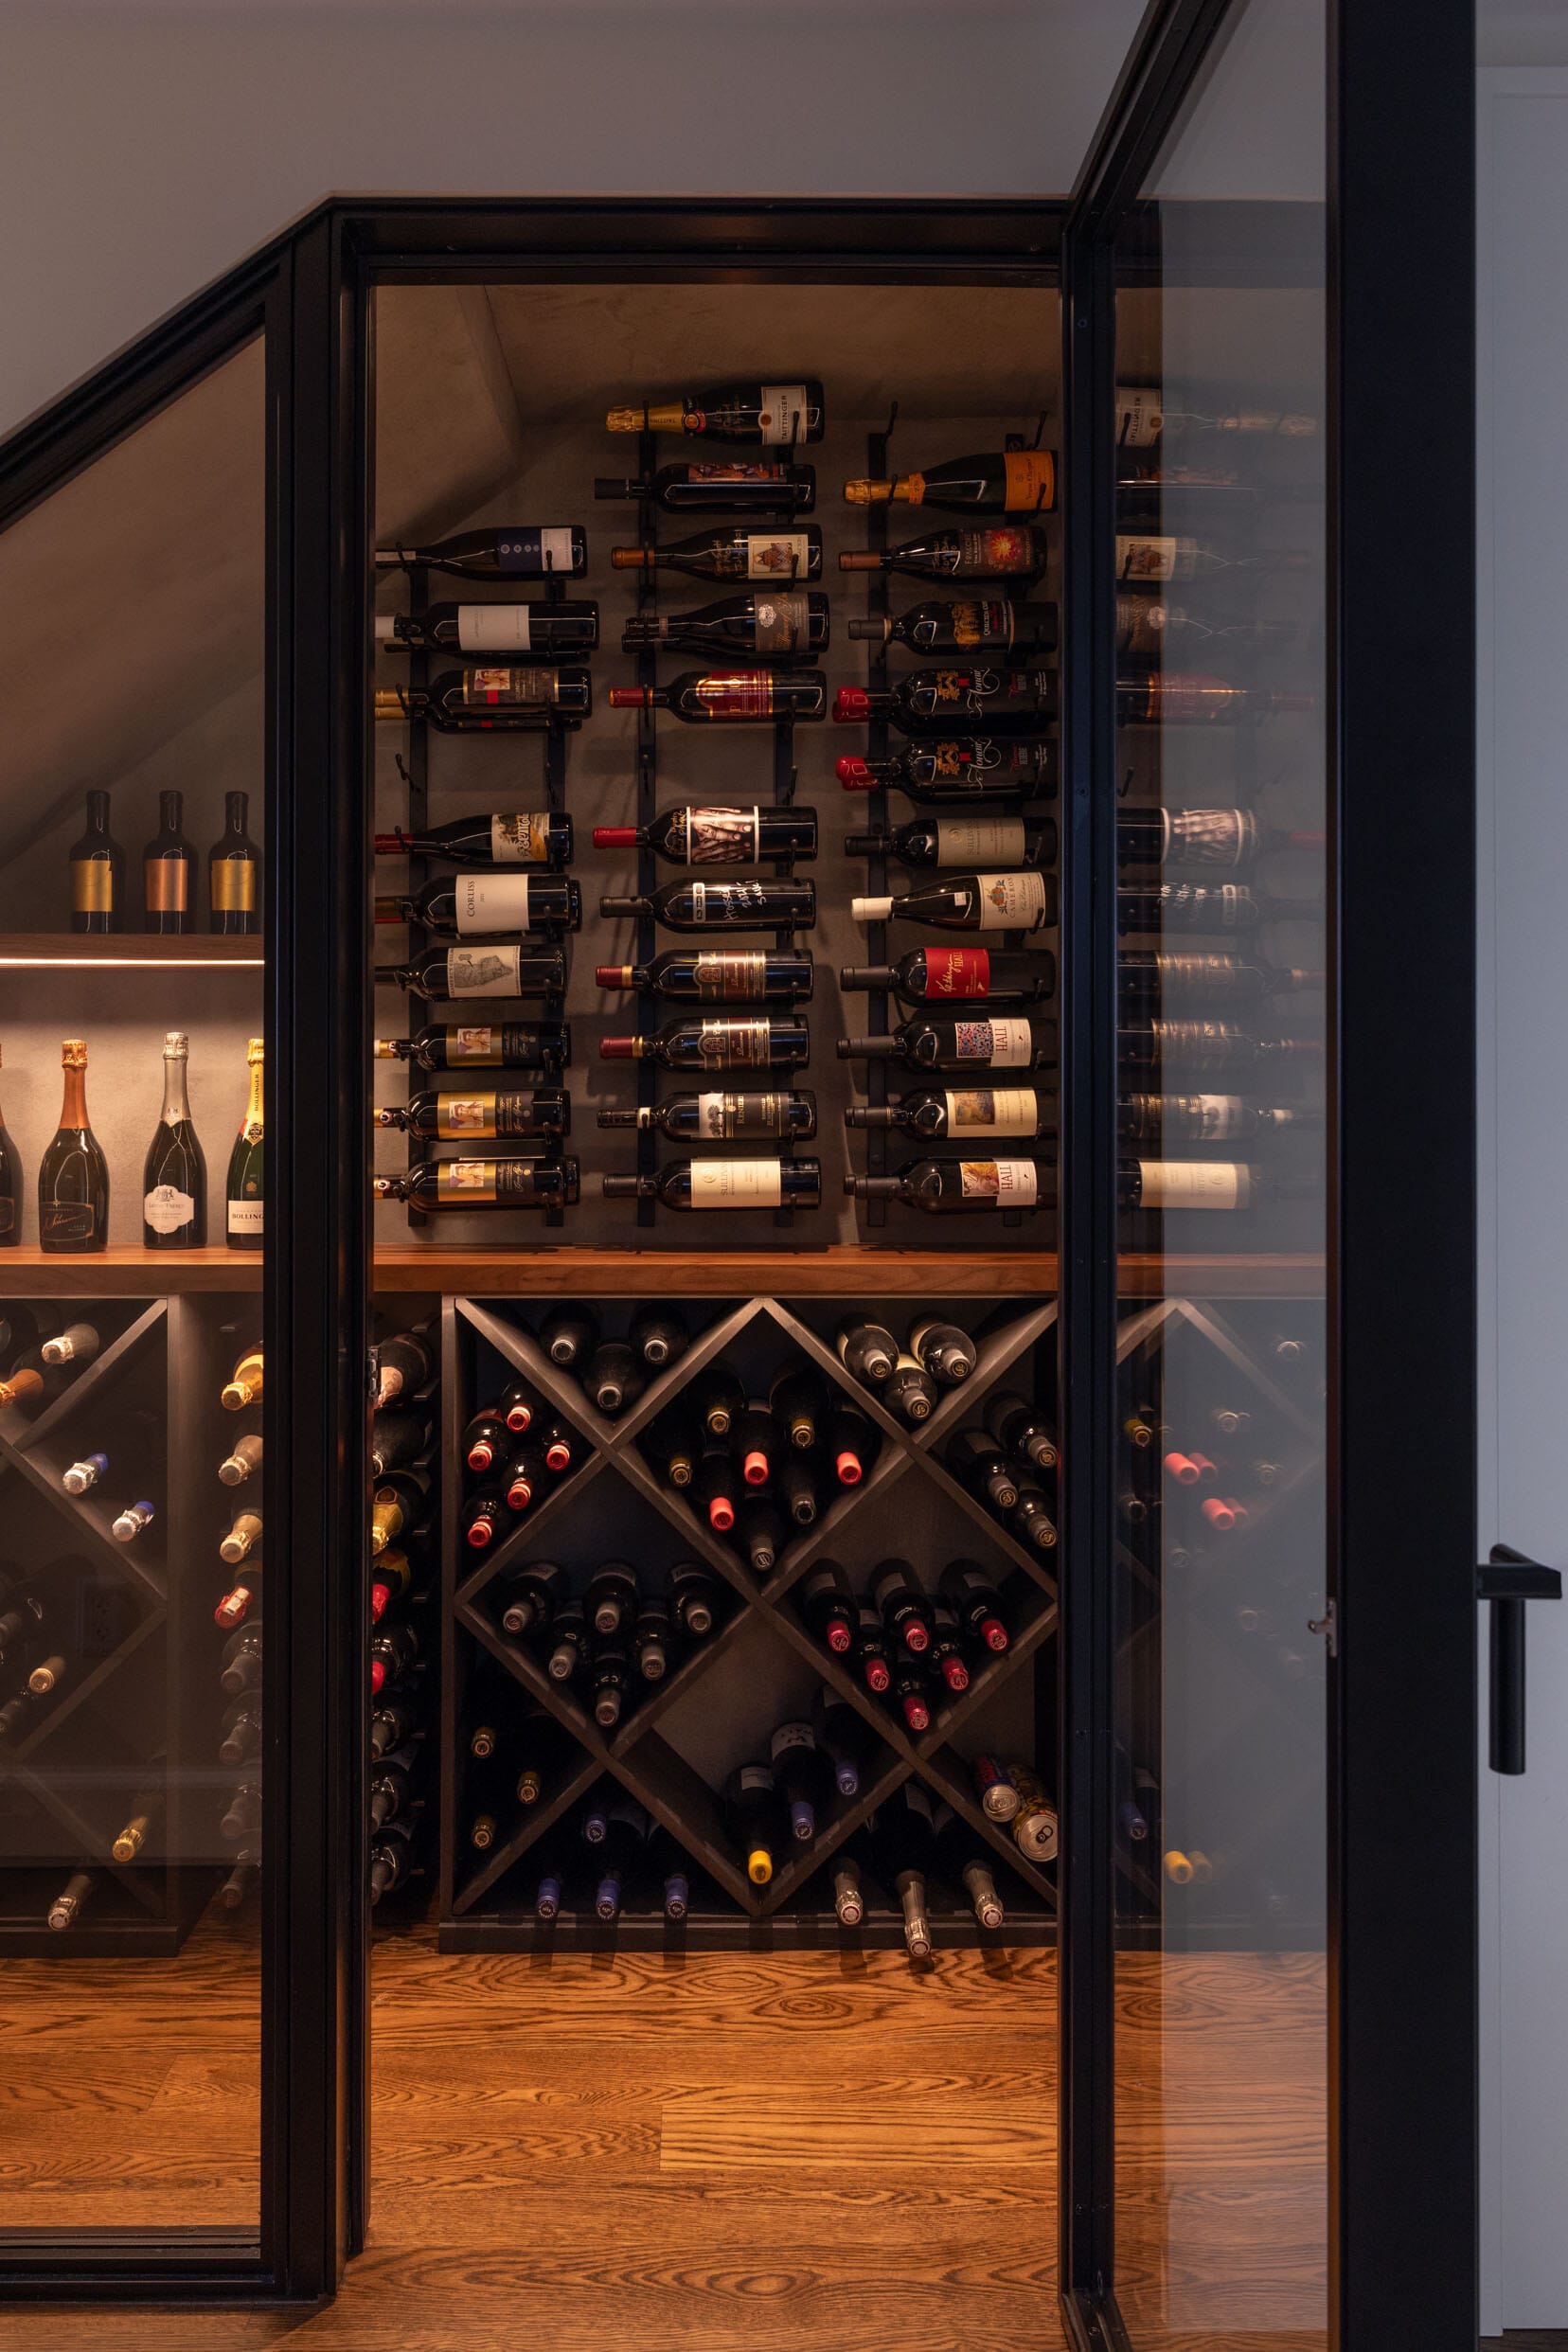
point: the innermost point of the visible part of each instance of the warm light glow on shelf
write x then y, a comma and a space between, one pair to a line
131, 963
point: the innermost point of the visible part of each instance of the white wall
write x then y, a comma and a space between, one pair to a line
148, 145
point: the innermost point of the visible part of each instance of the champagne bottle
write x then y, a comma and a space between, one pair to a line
803, 1778
946, 1187
1001, 552
723, 906
405, 1363
234, 874
396, 1439
961, 1858
69, 1904
736, 552
511, 1183
27, 1386
722, 1119
954, 1114
78, 1343
509, 1048
468, 906
717, 836
130, 1522
174, 1174
449, 1117
755, 1818
936, 975
493, 838
499, 632
242, 1190
241, 1538
507, 551
444, 975
776, 1042
1019, 1430
943, 1350
982, 625
960, 1044
718, 976
141, 1826
510, 700
926, 843
1159, 698
763, 415
10, 1190
244, 1385
961, 768
725, 1183
973, 1598
762, 625
98, 873
168, 871
699, 486
1024, 901
905, 1847
73, 1175
1019, 481
721, 696
1144, 972
398, 1502
928, 702
80, 1476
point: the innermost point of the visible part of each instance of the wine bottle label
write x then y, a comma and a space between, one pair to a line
778, 555
470, 1115
1007, 1184
736, 1183
1013, 902
233, 885
485, 688
969, 841
1140, 416
736, 693
729, 978
495, 628
987, 622
782, 416
713, 470
1208, 836
991, 1110
534, 551
959, 974
1215, 1117
245, 1217
1031, 479
484, 972
1192, 1183
1145, 558
716, 836
783, 624
168, 884
732, 903
490, 902
466, 1179
721, 1117
734, 1043
65, 1220
473, 1045
522, 837
981, 555
790, 1735
1005, 1044
92, 885
165, 1208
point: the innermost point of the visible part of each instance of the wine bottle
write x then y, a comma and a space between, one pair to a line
762, 625
485, 906
1205, 1184
902, 1606
651, 1638
713, 1488
827, 1607
73, 1175
131, 1518
449, 1117
141, 1826
948, 1187
963, 768
763, 415
983, 625
569, 1336
755, 1818
391, 1578
234, 874
733, 552
98, 873
509, 550
905, 1846
693, 1598
1202, 837
943, 1350
668, 1866
168, 871
721, 906
244, 1385
725, 1183
10, 1190
517, 837
242, 1662
799, 1397
1208, 1118
659, 1335
795, 1488
1019, 1430
702, 487
757, 1443
928, 702
1019, 481
953, 1114
405, 1362
1203, 1044
569, 1637
391, 1791
972, 1597
1145, 973
776, 1042
518, 1406
1002, 552
174, 1175
1024, 901
528, 1597
27, 1385
850, 1442
1149, 556
760, 1532
392, 1724
69, 1904
946, 1654
671, 1444
722, 696
961, 1858
908, 1688
803, 1778
522, 1475
444, 974
715, 976
399, 1502
394, 1652
244, 1207
609, 1675
1217, 907
927, 843
871, 1651
568, 630
867, 1350
849, 1884
844, 1740
722, 1119
388, 1859
487, 1183
83, 1474
614, 1377
689, 836
1159, 698
78, 1343
936, 975
240, 1732
1031, 1519
618, 1853
240, 1540
513, 700
509, 1048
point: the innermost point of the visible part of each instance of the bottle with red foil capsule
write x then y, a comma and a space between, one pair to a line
704, 488
1020, 481
237, 1602
1025, 901
390, 1581
1224, 1513
852, 1442
484, 1439
871, 1655
1192, 698
979, 625
1005, 552
718, 976
717, 697
909, 1690
738, 836
828, 1607
946, 1654
484, 1517
528, 1597
962, 769
393, 1650
904, 1607
976, 1602
522, 1476
932, 701
723, 906
756, 1439
558, 1446
713, 1489
926, 843
953, 1114
944, 975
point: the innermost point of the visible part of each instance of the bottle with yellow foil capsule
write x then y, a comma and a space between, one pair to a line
763, 415
1019, 481
234, 874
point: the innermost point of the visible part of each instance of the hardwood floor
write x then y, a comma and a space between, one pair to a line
825, 2152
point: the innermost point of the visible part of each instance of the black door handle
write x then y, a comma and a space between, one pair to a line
1507, 1580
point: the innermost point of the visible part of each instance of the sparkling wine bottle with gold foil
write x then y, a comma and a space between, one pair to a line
242, 1192
761, 416
73, 1176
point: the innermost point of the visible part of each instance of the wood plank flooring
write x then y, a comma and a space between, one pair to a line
802, 2152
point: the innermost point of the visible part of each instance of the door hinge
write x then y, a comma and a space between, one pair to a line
1327, 1625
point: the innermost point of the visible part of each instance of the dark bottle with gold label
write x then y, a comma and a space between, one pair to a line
168, 870
98, 873
234, 874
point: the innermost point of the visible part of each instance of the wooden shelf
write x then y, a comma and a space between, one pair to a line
52, 951
127, 1273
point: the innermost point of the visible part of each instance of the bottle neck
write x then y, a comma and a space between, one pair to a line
170, 809
234, 803
252, 1127
176, 1103
73, 1109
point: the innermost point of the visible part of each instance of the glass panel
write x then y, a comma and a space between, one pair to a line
1221, 2054
130, 1415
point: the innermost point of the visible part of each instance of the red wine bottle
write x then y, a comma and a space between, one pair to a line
765, 416
611, 1599
1023, 901
948, 1187
705, 697
928, 843
722, 1119
614, 1377
960, 1044
909, 1690
784, 558
98, 873
522, 1475
844, 1739
493, 968
718, 976
1216, 907
946, 1654
954, 1115
481, 1112
928, 702
496, 632
168, 871
493, 1183
508, 701
776, 1042
871, 1656
1208, 1118
795, 1489
757, 1820
943, 1350
758, 1444
509, 1047
702, 487
803, 1778
529, 1595
973, 1598
1019, 1430
852, 1442
760, 1532
715, 1490
719, 836
983, 625
1204, 1045
723, 906
487, 905
828, 1607
507, 550
483, 1518
694, 1594
963, 769
954, 976
762, 625
1004, 552
1019, 481
905, 1847
519, 837
725, 1183
902, 1606
799, 1398
658, 1336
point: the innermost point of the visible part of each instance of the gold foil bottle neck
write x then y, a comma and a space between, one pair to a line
256, 1049
867, 493
73, 1053
176, 1046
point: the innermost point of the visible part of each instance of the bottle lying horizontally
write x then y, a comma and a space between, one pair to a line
488, 906
506, 550
516, 1046
1020, 481
503, 700
1021, 901
777, 1042
493, 838
979, 625
959, 769
961, 1043
962, 1187
718, 976
727, 836
722, 1117
737, 552
699, 486
723, 697
491, 968
763, 414
954, 1115
512, 1182
764, 625
725, 1183
449, 1115
721, 906
959, 975
499, 630
934, 702
928, 843
1006, 551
